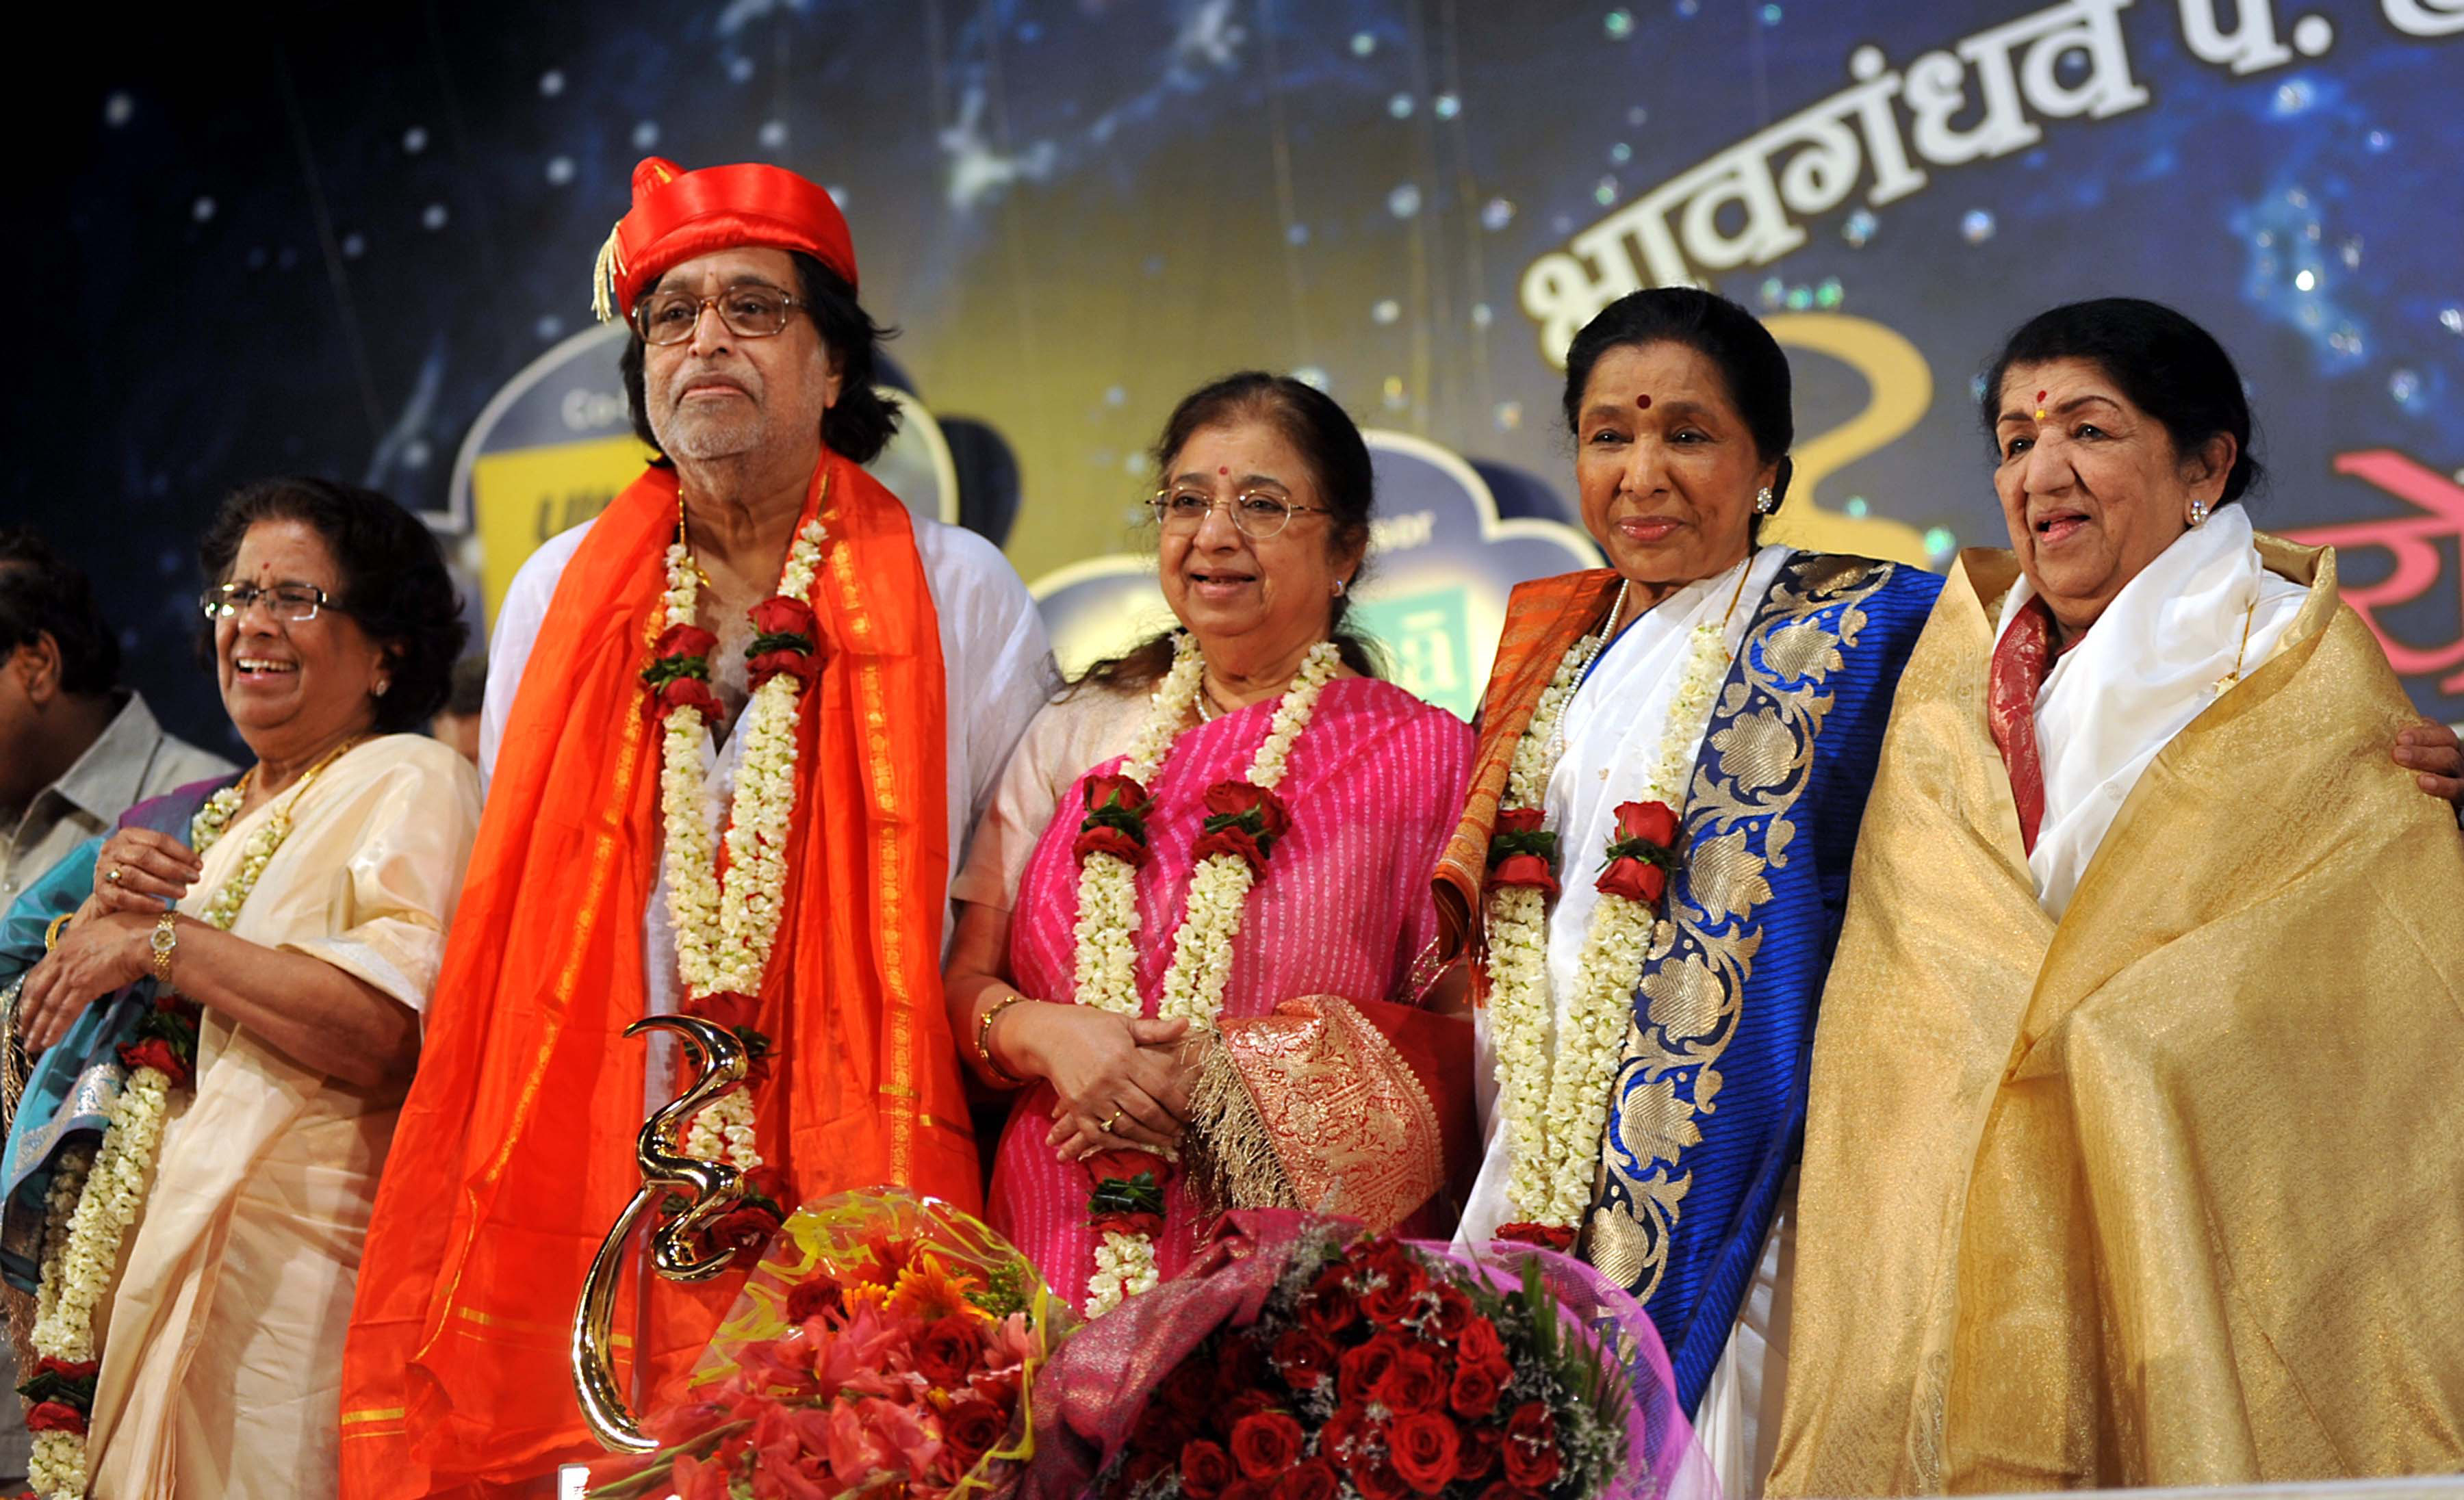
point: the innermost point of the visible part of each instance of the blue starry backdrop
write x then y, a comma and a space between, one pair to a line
344, 239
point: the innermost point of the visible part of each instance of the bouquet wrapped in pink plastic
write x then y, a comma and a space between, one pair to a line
1301, 1358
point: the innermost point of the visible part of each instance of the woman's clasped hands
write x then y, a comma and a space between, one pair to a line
1122, 1080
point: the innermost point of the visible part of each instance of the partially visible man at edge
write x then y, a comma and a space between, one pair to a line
755, 611
77, 751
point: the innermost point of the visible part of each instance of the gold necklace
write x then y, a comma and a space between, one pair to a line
2225, 683
684, 540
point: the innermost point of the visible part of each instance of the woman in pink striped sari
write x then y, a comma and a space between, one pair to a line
1334, 1077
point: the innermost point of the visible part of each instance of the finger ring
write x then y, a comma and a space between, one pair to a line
114, 876
1111, 1120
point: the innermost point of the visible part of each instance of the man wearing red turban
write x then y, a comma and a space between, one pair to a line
729, 770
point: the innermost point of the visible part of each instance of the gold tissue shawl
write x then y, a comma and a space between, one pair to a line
2171, 1193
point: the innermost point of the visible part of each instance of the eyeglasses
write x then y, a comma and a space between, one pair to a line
295, 603
750, 312
1259, 515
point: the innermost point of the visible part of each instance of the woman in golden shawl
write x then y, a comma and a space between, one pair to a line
261, 963
2150, 985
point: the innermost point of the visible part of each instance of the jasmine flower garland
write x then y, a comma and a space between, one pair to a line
727, 926
1557, 1053
1237, 837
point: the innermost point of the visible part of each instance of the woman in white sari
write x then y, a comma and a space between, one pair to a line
300, 914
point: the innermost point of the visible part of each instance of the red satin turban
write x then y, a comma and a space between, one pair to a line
679, 216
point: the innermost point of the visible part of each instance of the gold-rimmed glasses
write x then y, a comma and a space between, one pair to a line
1258, 513
751, 311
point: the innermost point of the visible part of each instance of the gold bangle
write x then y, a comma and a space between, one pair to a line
52, 934
985, 1037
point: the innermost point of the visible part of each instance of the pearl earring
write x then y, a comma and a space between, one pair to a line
1763, 501
2198, 514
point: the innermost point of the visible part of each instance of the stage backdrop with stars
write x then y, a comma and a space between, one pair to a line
358, 242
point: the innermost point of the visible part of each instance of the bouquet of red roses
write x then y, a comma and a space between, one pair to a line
1303, 1359
886, 1346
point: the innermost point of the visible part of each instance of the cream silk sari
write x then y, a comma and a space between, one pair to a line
2164, 1192
222, 1363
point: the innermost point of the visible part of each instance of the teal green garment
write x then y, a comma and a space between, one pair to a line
61, 890
67, 1095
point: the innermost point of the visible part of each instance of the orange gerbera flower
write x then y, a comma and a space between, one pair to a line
929, 1290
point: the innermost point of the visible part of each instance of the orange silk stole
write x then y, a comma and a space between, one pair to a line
516, 1148
1543, 618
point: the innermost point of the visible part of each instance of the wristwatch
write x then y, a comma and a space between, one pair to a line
166, 938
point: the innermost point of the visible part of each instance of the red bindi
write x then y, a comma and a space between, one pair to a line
1642, 402
1223, 469
2040, 395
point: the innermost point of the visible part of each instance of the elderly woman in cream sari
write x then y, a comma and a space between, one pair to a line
2150, 982
236, 1008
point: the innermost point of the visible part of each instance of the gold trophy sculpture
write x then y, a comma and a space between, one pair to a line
675, 1250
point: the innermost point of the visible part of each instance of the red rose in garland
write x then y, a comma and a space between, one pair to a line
1641, 852
1128, 1192
1116, 820
735, 1013
785, 640
685, 643
757, 1215
1241, 820
1521, 852
54, 1416
781, 615
1547, 1236
678, 676
689, 693
157, 1053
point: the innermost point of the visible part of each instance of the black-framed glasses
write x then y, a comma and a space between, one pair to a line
1258, 514
293, 603
751, 311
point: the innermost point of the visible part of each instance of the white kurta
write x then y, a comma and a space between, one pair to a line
997, 671
1613, 729
2151, 664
